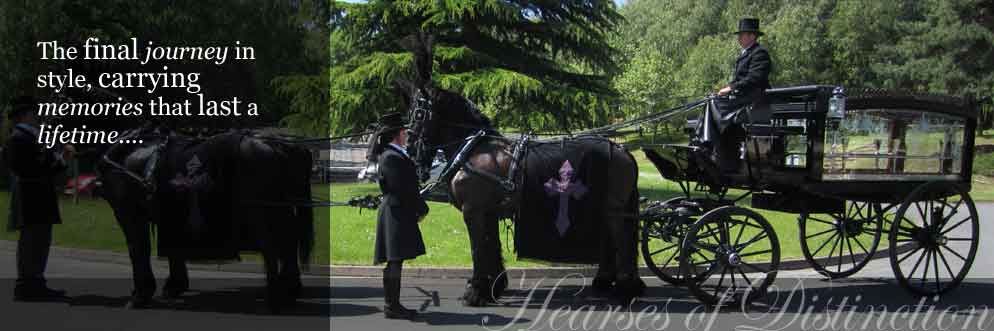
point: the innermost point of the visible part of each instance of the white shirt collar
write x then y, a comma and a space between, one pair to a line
744, 50
29, 128
400, 149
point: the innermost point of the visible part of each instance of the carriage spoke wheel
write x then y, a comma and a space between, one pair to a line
940, 226
735, 253
838, 245
663, 229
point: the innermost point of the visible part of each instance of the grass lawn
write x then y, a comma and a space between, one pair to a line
91, 225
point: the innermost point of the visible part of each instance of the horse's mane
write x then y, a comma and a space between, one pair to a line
459, 108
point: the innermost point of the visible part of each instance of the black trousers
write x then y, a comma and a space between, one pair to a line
391, 282
393, 269
32, 254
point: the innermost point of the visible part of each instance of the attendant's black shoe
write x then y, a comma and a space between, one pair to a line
399, 312
39, 293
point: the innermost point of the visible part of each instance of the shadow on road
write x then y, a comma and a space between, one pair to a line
787, 293
238, 300
223, 296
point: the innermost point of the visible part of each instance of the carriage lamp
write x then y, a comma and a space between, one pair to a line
837, 104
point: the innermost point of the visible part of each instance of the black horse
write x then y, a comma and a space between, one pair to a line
443, 120
210, 199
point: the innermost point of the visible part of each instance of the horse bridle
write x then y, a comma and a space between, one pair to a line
422, 113
147, 179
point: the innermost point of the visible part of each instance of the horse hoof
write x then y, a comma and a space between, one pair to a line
139, 303
175, 288
602, 284
274, 308
629, 289
275, 301
474, 298
293, 291
172, 294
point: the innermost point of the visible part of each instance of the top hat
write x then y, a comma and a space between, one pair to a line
392, 121
21, 105
749, 25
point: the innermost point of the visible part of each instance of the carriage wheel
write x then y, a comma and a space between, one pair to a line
940, 223
662, 232
840, 244
728, 243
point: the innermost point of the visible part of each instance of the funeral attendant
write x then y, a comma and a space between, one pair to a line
397, 235
34, 205
751, 74
746, 94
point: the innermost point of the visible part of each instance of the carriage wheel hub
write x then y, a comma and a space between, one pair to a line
852, 228
734, 259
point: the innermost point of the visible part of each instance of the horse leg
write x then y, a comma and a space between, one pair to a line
606, 268
179, 279
472, 296
621, 208
488, 281
289, 267
492, 247
271, 258
627, 284
138, 237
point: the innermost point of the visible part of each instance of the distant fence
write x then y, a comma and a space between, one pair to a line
341, 162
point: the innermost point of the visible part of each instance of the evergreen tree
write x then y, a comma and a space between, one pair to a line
528, 64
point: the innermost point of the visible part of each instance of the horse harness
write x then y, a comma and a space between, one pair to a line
509, 184
147, 178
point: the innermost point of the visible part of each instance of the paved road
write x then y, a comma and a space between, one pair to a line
356, 302
802, 304
99, 292
232, 301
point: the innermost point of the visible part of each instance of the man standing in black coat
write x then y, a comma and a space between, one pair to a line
34, 204
398, 237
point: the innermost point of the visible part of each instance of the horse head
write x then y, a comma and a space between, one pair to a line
440, 120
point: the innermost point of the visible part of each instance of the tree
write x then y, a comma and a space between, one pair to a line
674, 49
947, 47
530, 64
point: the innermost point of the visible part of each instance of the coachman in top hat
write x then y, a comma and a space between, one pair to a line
398, 237
750, 79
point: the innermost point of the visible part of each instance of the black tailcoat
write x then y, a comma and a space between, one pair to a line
750, 79
33, 199
397, 234
752, 70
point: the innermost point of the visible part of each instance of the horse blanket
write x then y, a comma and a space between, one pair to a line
560, 218
195, 220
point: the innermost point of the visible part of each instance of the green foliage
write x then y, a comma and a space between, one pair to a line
983, 164
679, 49
948, 46
527, 64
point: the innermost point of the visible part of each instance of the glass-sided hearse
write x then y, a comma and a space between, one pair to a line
855, 168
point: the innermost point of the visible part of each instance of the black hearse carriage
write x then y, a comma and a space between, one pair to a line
855, 168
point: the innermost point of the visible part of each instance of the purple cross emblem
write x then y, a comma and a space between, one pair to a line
564, 188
